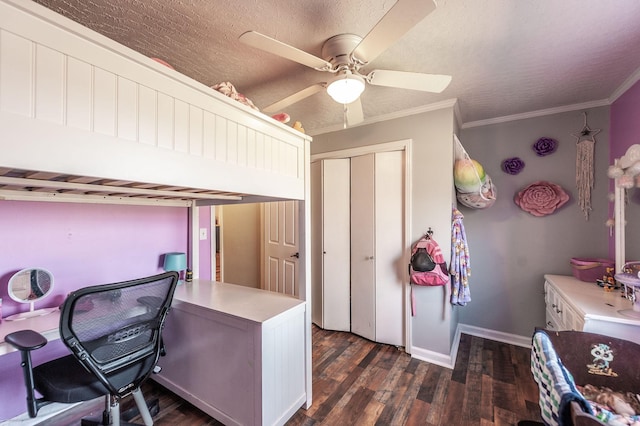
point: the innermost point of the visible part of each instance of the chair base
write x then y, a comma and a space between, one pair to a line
126, 416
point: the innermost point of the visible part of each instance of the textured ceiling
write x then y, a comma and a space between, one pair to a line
506, 57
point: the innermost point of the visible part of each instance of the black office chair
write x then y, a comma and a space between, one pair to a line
114, 334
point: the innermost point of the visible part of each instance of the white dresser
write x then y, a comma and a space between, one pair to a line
572, 304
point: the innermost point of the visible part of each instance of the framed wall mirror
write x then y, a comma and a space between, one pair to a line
29, 286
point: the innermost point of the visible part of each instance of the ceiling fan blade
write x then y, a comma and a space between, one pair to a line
409, 80
403, 16
354, 112
271, 45
292, 99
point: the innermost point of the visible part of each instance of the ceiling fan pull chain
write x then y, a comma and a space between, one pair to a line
344, 116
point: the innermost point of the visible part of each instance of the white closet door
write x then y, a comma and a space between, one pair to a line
363, 282
331, 243
336, 241
389, 226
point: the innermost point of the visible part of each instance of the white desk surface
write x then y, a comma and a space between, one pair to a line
592, 301
244, 302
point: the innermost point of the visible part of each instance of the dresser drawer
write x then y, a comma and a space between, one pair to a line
559, 313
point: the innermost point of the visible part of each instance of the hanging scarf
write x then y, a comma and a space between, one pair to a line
460, 269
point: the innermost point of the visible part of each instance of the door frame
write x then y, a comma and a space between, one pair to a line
404, 145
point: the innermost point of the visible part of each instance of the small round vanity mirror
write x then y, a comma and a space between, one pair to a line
30, 286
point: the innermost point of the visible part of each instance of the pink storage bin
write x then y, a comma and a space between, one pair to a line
590, 269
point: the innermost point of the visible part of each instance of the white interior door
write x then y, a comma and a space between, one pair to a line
363, 281
281, 247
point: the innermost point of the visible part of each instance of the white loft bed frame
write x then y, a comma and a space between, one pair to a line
85, 119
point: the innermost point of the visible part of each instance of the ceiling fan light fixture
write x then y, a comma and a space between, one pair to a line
346, 88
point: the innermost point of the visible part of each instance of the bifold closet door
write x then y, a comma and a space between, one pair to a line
363, 278
330, 194
377, 224
389, 231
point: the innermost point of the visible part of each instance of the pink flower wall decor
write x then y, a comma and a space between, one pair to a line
541, 198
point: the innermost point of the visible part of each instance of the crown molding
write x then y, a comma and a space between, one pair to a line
538, 113
633, 79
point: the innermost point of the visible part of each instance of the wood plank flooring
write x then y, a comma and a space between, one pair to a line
359, 382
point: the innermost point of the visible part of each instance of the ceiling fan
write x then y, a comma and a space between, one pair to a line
345, 54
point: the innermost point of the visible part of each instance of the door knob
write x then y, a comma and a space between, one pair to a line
370, 258
296, 255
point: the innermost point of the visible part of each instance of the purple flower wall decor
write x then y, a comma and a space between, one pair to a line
545, 146
513, 165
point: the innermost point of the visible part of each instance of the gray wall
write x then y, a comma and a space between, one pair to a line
432, 184
510, 249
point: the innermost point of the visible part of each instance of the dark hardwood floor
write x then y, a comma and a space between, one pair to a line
359, 382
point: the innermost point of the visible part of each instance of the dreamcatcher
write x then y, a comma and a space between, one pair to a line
585, 148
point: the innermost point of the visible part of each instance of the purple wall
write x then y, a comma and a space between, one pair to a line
625, 131
625, 122
81, 244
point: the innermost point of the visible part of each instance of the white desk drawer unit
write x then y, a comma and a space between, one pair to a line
235, 352
572, 304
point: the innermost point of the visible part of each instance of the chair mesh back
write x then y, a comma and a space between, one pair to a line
116, 327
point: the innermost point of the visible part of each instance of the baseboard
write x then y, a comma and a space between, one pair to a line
449, 361
432, 357
498, 336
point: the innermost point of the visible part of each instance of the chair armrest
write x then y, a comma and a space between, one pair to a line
26, 340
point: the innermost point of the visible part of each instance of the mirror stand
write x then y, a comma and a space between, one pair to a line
29, 286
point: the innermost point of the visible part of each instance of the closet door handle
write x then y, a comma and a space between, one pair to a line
296, 255
370, 258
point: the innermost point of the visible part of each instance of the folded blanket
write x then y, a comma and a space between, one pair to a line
555, 384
